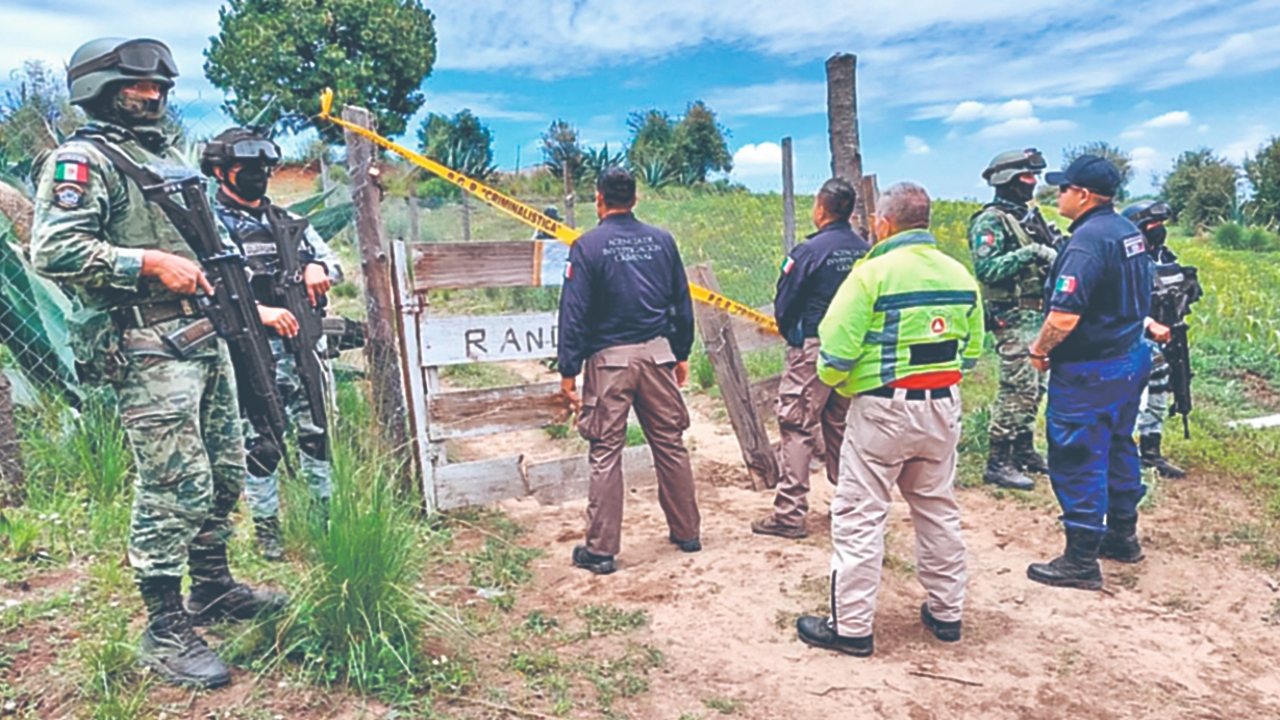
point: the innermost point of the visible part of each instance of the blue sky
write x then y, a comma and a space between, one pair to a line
943, 85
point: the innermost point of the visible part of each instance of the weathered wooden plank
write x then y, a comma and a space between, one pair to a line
415, 390
555, 481
764, 394
480, 483
456, 266
459, 339
474, 413
722, 350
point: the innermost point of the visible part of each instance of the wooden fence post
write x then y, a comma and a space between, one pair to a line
842, 126
870, 194
788, 198
411, 201
380, 351
13, 482
735, 387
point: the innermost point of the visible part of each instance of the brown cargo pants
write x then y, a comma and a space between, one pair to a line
811, 418
614, 381
911, 444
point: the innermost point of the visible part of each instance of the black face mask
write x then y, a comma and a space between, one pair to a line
1017, 192
1155, 234
251, 182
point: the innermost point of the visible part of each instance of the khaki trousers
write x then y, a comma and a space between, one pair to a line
614, 381
811, 419
911, 444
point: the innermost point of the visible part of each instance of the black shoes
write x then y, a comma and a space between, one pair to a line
817, 632
1001, 470
170, 646
944, 631
213, 602
770, 526
598, 564
1120, 542
1077, 567
1026, 456
1153, 458
689, 546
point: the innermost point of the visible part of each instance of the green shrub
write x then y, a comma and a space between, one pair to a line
1230, 236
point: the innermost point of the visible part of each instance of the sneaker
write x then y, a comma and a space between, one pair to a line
598, 564
174, 651
771, 526
818, 632
944, 631
689, 546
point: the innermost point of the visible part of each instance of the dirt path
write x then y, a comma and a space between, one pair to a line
1181, 635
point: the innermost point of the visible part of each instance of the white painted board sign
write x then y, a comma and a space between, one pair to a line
461, 339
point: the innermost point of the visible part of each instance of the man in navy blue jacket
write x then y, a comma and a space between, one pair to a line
626, 323
810, 415
1098, 298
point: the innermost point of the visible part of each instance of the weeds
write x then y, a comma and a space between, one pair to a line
724, 706
609, 620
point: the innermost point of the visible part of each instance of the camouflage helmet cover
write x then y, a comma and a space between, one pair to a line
1008, 165
237, 144
1145, 212
98, 63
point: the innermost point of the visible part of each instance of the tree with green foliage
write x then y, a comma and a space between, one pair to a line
1201, 189
561, 147
373, 53
34, 116
701, 145
462, 142
1121, 159
1263, 171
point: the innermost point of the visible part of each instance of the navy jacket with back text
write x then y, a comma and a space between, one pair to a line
624, 284
811, 274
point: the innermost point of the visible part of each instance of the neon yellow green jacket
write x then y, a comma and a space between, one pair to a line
904, 310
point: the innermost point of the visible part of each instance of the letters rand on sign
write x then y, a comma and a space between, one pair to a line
524, 213
460, 339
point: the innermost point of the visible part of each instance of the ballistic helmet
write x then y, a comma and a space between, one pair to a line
237, 145
1008, 165
1145, 212
98, 63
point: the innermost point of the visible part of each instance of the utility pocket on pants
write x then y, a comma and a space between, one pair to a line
589, 419
791, 411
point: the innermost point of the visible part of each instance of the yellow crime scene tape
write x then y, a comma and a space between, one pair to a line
526, 214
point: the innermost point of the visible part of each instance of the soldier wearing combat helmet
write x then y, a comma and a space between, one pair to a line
136, 278
1011, 247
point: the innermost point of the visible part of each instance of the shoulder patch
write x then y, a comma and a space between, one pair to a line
68, 196
568, 270
1066, 285
787, 263
71, 168
1135, 245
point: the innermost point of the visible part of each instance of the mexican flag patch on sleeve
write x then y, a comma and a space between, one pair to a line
1066, 285
787, 264
72, 169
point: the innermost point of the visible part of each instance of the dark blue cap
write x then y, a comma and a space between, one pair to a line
1090, 172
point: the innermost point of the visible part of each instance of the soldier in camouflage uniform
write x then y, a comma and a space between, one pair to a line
135, 277
1010, 242
242, 160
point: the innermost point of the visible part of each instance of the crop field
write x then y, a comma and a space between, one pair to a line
476, 614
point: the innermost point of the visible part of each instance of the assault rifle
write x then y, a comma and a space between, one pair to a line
231, 311
1176, 289
1041, 230
292, 289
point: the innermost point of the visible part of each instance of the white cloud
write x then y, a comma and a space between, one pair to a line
780, 99
1018, 127
1177, 118
1132, 134
1144, 158
1248, 144
762, 159
1202, 129
916, 146
971, 111
486, 106
1235, 47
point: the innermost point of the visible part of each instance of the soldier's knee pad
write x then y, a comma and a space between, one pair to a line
263, 456
314, 446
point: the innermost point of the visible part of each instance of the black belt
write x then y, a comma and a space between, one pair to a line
885, 391
134, 317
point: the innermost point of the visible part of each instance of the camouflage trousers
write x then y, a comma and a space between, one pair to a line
263, 493
1155, 401
182, 421
1021, 386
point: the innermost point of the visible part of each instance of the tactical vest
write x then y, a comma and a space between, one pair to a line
262, 256
1028, 282
135, 222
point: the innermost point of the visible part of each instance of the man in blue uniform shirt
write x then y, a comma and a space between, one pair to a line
1098, 297
810, 416
626, 322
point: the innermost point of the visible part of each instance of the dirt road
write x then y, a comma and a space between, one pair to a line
1183, 634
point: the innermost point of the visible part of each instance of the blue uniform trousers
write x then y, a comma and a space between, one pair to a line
1094, 465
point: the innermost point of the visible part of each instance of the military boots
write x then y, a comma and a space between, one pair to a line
1120, 542
170, 646
1001, 469
1026, 457
1077, 566
1153, 458
216, 596
270, 542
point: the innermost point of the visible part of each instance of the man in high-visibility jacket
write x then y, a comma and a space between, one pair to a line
898, 335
